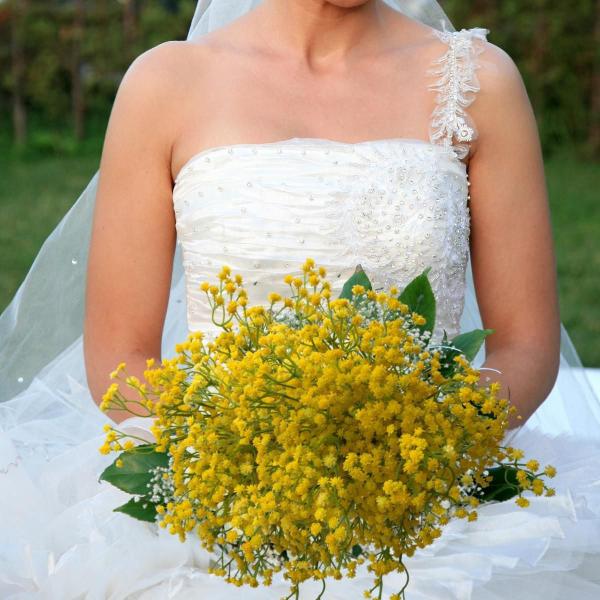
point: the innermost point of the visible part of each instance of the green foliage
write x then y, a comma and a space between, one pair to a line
419, 298
139, 508
503, 485
359, 277
573, 185
134, 474
47, 141
469, 343
50, 38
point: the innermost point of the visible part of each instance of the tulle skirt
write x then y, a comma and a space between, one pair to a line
61, 539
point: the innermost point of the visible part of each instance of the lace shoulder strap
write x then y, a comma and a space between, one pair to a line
456, 86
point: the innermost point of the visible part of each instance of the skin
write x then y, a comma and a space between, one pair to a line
327, 69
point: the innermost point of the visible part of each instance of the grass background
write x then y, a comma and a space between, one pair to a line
35, 191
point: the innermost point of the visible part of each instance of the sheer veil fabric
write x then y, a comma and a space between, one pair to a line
212, 14
47, 416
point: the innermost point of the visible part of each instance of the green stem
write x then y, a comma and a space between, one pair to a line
322, 591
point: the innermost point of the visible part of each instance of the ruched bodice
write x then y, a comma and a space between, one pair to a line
395, 206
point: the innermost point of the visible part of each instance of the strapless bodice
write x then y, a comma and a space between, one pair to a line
394, 206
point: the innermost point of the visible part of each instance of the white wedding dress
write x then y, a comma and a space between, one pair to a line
396, 206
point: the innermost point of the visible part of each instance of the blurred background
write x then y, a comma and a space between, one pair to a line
61, 62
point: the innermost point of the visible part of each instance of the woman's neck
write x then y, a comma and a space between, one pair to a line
322, 33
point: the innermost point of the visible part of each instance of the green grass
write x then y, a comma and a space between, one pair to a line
34, 194
36, 191
574, 187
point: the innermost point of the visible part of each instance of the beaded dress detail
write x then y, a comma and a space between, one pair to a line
395, 206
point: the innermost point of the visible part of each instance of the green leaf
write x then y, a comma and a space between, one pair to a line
419, 298
503, 486
356, 550
448, 366
470, 343
142, 510
465, 343
359, 277
135, 474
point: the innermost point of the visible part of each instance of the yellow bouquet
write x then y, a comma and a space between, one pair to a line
317, 434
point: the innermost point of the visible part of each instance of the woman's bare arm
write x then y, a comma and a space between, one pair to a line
133, 235
511, 242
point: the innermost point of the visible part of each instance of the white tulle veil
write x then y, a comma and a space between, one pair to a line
42, 327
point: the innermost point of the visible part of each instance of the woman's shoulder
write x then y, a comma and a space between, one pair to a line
174, 69
470, 45
166, 76
497, 71
165, 64
500, 88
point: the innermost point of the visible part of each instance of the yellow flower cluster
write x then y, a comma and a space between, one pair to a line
305, 429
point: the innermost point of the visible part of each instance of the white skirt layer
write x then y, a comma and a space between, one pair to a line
60, 538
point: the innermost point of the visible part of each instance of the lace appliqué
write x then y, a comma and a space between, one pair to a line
456, 87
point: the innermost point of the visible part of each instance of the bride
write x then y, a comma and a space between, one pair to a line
348, 70
350, 131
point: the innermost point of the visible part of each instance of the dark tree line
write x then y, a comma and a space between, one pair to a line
61, 60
